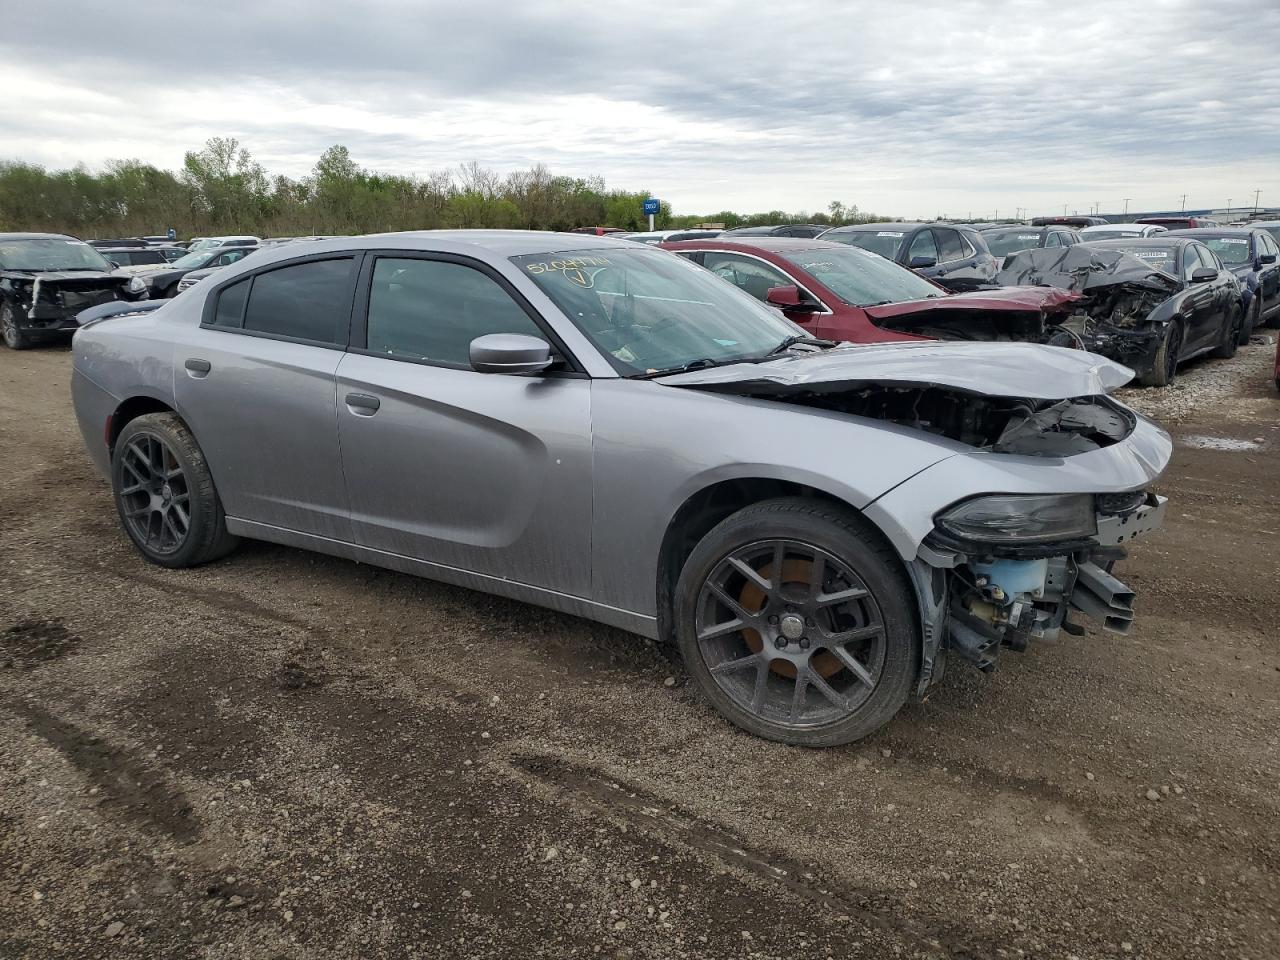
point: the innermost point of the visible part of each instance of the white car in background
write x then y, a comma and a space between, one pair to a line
209, 243
1121, 231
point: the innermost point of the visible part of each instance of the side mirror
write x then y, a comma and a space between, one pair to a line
922, 263
114, 264
789, 299
512, 353
1203, 274
1267, 258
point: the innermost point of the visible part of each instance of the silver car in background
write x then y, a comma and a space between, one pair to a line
605, 429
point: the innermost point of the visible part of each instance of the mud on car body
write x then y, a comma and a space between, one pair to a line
605, 429
48, 278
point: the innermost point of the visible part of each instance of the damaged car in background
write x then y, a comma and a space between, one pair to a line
1150, 304
48, 278
602, 428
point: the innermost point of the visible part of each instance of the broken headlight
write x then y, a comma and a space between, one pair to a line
136, 285
1018, 519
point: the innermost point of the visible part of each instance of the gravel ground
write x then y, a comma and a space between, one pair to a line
289, 756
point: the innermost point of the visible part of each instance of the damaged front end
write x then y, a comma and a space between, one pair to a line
1004, 570
1041, 480
47, 302
1105, 301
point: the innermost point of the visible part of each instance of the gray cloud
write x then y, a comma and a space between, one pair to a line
914, 108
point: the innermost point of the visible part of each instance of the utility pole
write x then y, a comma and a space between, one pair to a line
1064, 209
1255, 202
1228, 206
1126, 205
1184, 203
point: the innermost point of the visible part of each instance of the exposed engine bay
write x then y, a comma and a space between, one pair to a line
1038, 428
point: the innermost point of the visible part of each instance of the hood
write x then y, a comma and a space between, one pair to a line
78, 277
1024, 370
1082, 269
997, 298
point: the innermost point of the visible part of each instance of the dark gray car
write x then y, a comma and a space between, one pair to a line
603, 428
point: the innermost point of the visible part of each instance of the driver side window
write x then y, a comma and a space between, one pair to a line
750, 276
923, 245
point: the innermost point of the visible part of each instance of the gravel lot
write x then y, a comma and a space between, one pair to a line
289, 756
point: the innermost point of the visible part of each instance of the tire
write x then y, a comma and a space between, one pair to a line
1230, 343
848, 688
13, 336
1254, 320
1164, 366
157, 473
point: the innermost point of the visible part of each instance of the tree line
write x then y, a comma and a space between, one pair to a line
221, 189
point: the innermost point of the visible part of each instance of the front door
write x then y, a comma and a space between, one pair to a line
481, 472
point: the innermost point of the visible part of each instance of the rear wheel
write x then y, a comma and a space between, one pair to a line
1254, 320
1164, 366
13, 336
164, 493
796, 622
1231, 335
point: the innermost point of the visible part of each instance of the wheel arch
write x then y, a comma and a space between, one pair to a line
128, 410
712, 503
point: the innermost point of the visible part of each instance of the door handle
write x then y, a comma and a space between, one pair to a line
362, 405
198, 368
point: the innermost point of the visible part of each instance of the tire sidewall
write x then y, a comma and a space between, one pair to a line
202, 511
10, 335
889, 588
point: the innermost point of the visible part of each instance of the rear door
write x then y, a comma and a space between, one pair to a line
255, 381
480, 472
1269, 275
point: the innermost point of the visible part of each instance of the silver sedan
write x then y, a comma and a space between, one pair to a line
606, 429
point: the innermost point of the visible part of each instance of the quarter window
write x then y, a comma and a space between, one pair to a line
431, 310
306, 301
230, 309
750, 276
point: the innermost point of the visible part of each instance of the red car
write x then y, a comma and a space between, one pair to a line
1179, 223
838, 292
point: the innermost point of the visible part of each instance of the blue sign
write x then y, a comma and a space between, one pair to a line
651, 206
173, 234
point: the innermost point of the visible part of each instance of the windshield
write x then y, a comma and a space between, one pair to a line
883, 242
193, 261
1162, 258
861, 278
1232, 251
50, 253
650, 310
1005, 243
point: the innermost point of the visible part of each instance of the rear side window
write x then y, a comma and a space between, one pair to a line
306, 301
431, 310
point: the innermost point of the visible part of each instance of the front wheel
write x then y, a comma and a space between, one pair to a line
164, 493
1164, 366
14, 337
1254, 321
796, 622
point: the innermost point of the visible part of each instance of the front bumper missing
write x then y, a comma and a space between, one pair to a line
973, 615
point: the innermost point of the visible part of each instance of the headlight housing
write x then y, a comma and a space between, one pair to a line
1022, 519
136, 285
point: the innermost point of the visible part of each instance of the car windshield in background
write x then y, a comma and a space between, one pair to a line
1162, 258
193, 261
650, 311
883, 242
861, 278
50, 253
1232, 251
1005, 243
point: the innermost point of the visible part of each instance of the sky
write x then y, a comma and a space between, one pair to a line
915, 109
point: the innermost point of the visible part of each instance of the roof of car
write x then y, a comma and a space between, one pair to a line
35, 236
767, 244
1162, 240
852, 227
1211, 232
